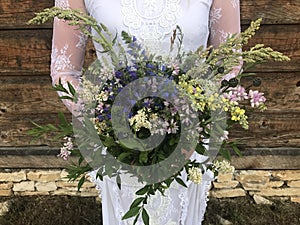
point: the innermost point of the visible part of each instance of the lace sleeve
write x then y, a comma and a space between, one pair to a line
224, 21
68, 49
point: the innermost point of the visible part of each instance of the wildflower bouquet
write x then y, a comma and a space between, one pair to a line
148, 116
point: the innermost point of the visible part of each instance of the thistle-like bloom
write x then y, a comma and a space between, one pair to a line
195, 175
256, 98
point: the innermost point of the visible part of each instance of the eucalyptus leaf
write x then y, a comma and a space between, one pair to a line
131, 213
145, 217
143, 190
136, 202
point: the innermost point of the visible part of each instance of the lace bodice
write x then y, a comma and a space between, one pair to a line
152, 21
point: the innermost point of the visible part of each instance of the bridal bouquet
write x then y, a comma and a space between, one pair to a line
147, 116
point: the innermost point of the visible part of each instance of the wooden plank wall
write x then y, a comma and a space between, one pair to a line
272, 141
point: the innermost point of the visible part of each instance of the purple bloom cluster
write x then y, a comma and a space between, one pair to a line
239, 93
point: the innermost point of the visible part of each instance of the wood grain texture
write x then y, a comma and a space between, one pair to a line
283, 38
15, 13
271, 11
270, 129
270, 162
271, 142
33, 161
28, 52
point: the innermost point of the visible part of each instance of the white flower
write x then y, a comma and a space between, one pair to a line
195, 175
224, 166
141, 120
65, 151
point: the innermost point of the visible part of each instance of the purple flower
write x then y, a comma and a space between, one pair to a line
148, 102
65, 151
240, 92
256, 98
119, 74
235, 94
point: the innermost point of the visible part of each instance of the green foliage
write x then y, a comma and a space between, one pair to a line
218, 62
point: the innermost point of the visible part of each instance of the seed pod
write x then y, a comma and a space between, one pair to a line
256, 82
233, 82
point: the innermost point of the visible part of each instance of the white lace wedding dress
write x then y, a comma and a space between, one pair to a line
153, 21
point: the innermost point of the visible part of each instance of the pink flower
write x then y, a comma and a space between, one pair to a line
256, 98
240, 92
65, 151
235, 94
176, 69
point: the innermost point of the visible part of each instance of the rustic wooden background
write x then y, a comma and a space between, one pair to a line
272, 141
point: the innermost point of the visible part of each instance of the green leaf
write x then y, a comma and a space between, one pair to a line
126, 37
80, 160
109, 142
136, 202
225, 153
131, 213
115, 39
143, 190
237, 150
172, 141
71, 88
136, 219
145, 217
80, 183
66, 97
119, 181
123, 155
143, 157
180, 181
63, 120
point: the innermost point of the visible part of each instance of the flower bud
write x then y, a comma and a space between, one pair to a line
256, 82
224, 83
233, 82
221, 69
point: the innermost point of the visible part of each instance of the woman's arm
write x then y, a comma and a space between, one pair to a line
224, 21
68, 49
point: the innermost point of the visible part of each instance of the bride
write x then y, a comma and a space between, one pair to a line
203, 22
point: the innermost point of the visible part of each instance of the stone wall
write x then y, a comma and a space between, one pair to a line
42, 182
256, 183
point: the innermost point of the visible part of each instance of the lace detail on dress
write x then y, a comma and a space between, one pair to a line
223, 35
97, 182
204, 198
214, 17
61, 60
235, 3
160, 208
150, 20
183, 196
62, 4
82, 39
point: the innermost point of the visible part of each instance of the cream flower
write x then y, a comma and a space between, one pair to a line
195, 175
224, 166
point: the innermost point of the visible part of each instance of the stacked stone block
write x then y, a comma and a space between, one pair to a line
256, 183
